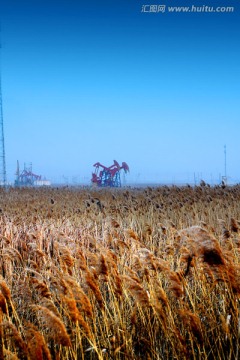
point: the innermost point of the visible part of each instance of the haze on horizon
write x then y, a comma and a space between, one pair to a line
87, 82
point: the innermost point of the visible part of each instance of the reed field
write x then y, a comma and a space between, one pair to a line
149, 273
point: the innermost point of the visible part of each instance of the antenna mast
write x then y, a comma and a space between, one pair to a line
225, 161
224, 178
3, 176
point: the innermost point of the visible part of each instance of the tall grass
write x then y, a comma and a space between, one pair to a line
120, 274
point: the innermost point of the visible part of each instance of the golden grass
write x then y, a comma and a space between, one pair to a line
120, 273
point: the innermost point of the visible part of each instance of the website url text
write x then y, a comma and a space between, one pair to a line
190, 9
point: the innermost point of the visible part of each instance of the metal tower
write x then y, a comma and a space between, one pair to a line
3, 176
225, 178
225, 161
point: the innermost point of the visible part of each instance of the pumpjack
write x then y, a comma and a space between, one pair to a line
108, 176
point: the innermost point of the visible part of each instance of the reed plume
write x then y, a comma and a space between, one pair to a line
36, 344
91, 282
53, 326
11, 333
138, 292
78, 294
234, 225
6, 292
193, 322
75, 316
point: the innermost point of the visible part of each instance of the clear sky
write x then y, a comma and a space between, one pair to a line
88, 81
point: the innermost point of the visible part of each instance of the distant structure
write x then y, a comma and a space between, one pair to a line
108, 176
28, 178
224, 178
3, 176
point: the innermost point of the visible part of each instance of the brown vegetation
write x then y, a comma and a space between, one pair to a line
120, 273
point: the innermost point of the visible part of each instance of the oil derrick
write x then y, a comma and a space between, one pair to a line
26, 177
108, 176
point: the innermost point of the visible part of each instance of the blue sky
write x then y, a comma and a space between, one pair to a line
86, 82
